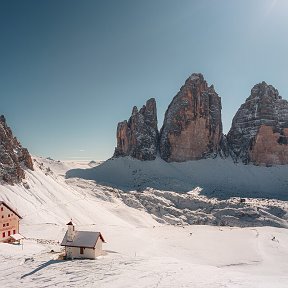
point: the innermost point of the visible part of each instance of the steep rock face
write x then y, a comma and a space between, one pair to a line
13, 157
192, 127
270, 147
259, 131
138, 137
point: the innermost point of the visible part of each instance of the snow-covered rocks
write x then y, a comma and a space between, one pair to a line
193, 208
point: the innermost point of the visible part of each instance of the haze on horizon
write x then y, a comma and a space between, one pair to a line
71, 70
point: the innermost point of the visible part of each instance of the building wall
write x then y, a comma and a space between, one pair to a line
74, 253
89, 253
98, 248
9, 223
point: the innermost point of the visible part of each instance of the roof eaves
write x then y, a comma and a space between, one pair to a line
5, 204
77, 246
102, 238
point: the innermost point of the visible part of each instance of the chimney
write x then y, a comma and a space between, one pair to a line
70, 231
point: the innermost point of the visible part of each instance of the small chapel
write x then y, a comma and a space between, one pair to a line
82, 244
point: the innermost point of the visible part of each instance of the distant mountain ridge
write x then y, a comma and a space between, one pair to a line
192, 128
13, 157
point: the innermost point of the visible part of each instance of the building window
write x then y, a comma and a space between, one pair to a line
1, 208
4, 225
14, 231
8, 215
81, 250
9, 233
7, 224
3, 235
2, 216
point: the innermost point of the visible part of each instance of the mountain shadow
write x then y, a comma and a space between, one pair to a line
219, 178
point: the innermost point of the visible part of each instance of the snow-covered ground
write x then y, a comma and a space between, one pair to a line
217, 177
141, 252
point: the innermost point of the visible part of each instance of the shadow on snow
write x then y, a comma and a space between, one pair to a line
221, 179
42, 266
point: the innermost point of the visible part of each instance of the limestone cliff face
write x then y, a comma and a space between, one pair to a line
270, 147
259, 132
192, 127
138, 137
13, 157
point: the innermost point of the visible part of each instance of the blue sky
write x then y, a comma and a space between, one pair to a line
71, 70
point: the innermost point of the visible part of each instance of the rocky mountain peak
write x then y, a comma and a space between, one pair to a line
263, 90
13, 157
259, 128
192, 127
195, 77
2, 119
134, 111
138, 137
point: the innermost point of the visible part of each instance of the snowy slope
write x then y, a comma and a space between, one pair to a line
50, 199
218, 177
140, 251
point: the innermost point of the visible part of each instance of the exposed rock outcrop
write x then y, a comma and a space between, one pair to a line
13, 157
259, 132
138, 137
192, 127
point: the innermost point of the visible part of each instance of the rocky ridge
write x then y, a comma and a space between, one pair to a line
13, 157
192, 127
138, 137
259, 132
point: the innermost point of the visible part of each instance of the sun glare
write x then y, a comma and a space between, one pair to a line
276, 6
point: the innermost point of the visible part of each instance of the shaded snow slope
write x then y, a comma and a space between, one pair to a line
217, 177
46, 197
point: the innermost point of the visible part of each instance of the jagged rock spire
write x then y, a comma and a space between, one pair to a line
138, 137
192, 127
